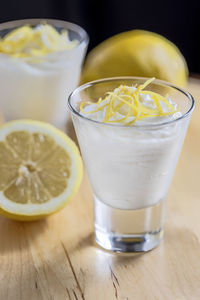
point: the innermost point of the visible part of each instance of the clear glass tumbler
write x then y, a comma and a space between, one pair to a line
129, 167
37, 89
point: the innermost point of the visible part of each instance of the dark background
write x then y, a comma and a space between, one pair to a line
179, 21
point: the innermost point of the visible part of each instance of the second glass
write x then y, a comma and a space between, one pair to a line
129, 167
37, 88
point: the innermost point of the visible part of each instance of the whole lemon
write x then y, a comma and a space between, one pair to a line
136, 53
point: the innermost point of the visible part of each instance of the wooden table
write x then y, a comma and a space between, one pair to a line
57, 258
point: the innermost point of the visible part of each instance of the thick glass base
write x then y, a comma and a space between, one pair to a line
126, 230
128, 243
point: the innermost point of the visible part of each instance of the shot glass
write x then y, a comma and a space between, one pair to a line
129, 167
37, 89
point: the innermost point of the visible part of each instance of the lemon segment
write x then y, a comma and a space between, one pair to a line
136, 53
41, 169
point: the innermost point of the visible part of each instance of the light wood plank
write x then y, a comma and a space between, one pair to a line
57, 258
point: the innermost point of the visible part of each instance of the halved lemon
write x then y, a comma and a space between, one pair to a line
40, 169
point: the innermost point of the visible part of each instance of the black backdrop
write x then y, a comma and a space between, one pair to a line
178, 21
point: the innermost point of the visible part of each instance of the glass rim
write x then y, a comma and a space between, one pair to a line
158, 81
65, 24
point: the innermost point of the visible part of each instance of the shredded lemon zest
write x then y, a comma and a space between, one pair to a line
127, 101
27, 41
163, 99
142, 86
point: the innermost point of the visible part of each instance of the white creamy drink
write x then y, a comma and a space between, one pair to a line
131, 169
39, 67
130, 132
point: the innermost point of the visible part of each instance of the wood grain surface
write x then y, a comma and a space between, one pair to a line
57, 258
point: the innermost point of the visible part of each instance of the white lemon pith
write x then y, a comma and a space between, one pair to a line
40, 169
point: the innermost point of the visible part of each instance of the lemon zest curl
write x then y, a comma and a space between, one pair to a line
127, 101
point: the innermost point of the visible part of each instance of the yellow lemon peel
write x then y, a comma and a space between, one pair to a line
127, 101
26, 41
145, 54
